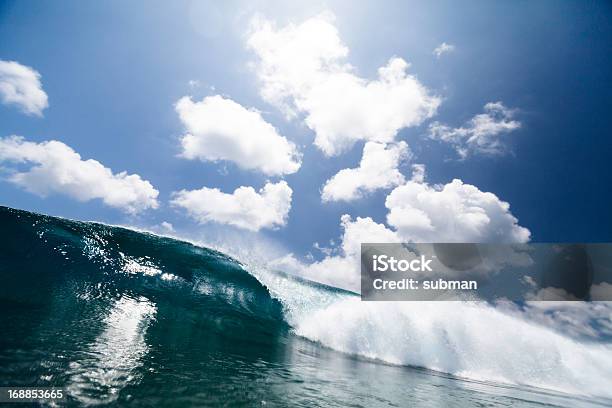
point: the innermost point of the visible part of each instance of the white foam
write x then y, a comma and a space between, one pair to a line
471, 340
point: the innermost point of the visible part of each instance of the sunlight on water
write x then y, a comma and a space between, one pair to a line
111, 361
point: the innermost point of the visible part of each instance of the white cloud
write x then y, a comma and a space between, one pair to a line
576, 319
418, 173
481, 133
602, 291
455, 212
244, 208
221, 129
341, 270
56, 168
20, 86
167, 226
443, 48
302, 69
377, 170
551, 294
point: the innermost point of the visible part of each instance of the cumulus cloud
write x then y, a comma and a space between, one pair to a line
244, 208
342, 269
551, 294
20, 86
303, 69
418, 212
377, 170
601, 291
418, 173
56, 168
577, 319
443, 48
455, 212
481, 133
166, 226
221, 129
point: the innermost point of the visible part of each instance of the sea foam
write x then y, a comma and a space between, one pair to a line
472, 340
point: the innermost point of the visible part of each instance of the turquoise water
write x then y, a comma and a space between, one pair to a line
116, 316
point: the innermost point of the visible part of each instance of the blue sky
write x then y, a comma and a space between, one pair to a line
113, 72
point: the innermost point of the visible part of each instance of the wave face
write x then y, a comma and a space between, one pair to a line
117, 316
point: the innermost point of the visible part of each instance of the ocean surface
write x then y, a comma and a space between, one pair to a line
119, 317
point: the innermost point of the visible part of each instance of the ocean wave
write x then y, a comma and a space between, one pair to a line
471, 340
